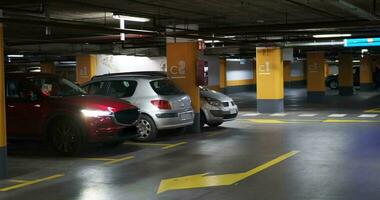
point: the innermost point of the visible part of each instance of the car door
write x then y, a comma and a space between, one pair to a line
23, 109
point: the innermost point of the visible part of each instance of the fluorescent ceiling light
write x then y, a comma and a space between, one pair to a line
332, 35
332, 43
131, 18
15, 56
212, 41
356, 61
229, 36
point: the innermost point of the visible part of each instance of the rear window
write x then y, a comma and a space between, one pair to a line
165, 87
122, 89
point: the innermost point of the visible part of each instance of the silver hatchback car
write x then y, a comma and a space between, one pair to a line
162, 104
216, 108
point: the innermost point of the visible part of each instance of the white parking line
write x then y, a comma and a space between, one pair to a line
251, 115
368, 115
278, 115
338, 115
307, 115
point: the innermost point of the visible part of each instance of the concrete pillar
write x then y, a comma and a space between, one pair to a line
222, 74
287, 73
346, 79
327, 70
366, 82
182, 69
86, 66
270, 80
316, 76
3, 131
48, 67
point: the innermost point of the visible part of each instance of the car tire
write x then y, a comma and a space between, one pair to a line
215, 124
333, 84
202, 120
146, 128
67, 137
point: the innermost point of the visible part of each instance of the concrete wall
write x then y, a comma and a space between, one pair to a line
213, 70
240, 75
116, 64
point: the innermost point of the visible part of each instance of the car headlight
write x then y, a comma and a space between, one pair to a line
96, 113
213, 102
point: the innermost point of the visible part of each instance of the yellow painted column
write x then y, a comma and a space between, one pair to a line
3, 130
316, 76
182, 69
346, 79
269, 80
366, 82
327, 70
86, 66
48, 67
222, 74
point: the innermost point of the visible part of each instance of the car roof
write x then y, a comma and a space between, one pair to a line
134, 77
140, 74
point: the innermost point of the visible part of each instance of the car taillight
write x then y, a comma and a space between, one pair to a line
161, 104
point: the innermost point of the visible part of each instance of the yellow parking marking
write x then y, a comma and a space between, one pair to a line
163, 146
24, 183
213, 134
174, 145
206, 180
110, 161
376, 110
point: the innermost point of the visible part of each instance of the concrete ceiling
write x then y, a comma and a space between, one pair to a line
253, 22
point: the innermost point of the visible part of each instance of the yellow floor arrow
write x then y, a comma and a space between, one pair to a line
202, 180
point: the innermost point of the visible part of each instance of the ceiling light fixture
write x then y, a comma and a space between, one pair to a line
131, 18
212, 41
331, 35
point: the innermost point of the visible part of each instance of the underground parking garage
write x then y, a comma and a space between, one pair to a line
141, 99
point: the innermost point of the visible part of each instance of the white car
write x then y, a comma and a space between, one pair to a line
216, 108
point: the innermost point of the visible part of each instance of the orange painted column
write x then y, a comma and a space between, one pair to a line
182, 69
269, 80
316, 76
3, 129
346, 78
366, 82
222, 74
85, 70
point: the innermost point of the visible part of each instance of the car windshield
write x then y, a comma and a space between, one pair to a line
165, 87
57, 87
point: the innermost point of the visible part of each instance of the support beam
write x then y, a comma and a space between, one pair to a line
86, 66
48, 67
353, 9
182, 69
270, 80
316, 76
345, 79
3, 131
222, 74
366, 82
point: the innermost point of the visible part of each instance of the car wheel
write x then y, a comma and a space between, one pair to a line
202, 120
333, 84
67, 137
215, 124
146, 128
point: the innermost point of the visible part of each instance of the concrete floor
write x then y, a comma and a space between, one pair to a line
255, 157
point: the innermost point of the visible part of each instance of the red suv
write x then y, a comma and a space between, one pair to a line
44, 106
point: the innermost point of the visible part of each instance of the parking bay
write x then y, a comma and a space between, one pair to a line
243, 159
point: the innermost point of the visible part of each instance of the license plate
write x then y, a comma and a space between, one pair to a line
233, 111
186, 116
